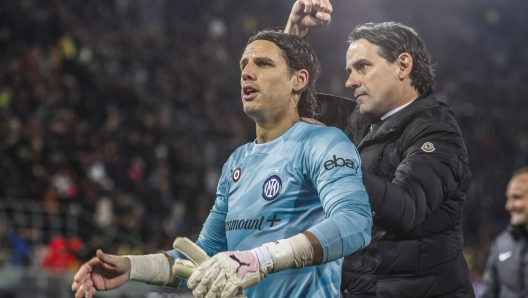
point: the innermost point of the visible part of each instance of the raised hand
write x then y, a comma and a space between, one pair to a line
308, 14
103, 272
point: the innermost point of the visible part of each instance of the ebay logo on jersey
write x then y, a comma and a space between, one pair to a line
339, 162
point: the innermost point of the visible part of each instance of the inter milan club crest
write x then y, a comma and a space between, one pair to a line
271, 188
236, 174
428, 147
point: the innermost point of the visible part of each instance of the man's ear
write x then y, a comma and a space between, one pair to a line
301, 79
405, 64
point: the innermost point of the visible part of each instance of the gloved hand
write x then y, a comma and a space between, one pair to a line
226, 274
184, 268
196, 255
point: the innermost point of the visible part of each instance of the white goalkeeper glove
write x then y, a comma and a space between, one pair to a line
228, 273
197, 256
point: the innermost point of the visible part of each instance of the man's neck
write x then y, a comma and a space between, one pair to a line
269, 131
396, 110
407, 95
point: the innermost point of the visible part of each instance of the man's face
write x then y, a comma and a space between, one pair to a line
266, 83
372, 78
517, 203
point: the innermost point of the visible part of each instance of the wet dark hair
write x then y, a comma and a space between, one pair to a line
394, 39
298, 55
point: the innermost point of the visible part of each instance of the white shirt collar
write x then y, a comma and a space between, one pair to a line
396, 110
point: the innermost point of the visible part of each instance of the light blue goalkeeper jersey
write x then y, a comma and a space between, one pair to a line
309, 179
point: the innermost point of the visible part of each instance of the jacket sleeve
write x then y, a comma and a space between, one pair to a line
490, 286
433, 169
335, 110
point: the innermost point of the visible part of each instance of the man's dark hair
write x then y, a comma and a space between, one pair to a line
394, 39
523, 170
298, 55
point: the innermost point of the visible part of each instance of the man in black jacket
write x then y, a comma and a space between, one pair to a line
506, 272
415, 165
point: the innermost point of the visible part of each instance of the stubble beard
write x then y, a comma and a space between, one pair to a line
369, 113
253, 112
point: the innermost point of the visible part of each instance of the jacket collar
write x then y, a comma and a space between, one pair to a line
517, 232
399, 120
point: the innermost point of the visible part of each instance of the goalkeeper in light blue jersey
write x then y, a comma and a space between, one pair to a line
289, 205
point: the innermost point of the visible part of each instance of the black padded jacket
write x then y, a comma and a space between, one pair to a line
415, 170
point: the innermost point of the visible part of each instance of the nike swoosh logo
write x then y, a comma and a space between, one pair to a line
504, 256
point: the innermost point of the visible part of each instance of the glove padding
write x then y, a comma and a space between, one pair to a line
196, 255
225, 274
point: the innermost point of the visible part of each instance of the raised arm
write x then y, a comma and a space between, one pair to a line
308, 14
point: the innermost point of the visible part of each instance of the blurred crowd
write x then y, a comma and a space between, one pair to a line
98, 108
127, 109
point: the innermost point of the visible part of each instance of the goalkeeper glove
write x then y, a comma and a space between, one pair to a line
227, 273
184, 268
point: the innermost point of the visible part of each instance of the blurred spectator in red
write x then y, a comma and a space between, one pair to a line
61, 254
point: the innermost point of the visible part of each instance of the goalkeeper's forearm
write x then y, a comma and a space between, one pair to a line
154, 269
298, 251
221, 272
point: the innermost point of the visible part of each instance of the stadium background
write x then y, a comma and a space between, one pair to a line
116, 117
